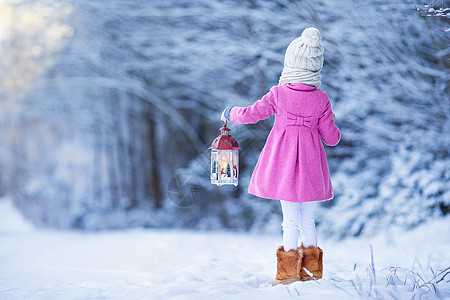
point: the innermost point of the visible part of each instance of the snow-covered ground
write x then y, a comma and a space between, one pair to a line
176, 264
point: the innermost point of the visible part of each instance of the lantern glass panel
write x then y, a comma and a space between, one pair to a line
236, 164
224, 169
214, 166
225, 160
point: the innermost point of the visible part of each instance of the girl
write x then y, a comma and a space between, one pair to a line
293, 166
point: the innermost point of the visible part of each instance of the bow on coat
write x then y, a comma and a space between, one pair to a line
299, 120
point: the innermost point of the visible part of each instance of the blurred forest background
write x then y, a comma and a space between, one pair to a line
108, 109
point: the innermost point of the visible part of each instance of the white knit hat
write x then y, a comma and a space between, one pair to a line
304, 59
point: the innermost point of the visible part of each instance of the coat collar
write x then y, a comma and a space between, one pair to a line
300, 87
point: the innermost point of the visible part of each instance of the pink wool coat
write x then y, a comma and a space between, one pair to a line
293, 164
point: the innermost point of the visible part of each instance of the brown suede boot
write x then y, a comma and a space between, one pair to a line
312, 261
288, 266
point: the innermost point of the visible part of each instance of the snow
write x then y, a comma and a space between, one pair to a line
106, 104
184, 264
10, 220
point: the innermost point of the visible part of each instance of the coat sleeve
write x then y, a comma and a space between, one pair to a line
261, 110
328, 131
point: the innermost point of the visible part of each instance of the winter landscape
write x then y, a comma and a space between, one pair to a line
185, 264
107, 112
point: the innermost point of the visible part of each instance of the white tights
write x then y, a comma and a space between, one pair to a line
298, 216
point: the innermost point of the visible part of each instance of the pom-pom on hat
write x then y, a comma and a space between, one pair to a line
304, 59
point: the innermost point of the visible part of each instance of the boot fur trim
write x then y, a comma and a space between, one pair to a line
288, 265
312, 261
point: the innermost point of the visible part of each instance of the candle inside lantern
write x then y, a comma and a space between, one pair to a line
225, 165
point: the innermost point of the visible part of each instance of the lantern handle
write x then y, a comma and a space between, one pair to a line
224, 123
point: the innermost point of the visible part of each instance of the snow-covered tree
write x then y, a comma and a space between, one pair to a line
111, 118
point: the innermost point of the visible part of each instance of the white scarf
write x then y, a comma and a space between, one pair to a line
297, 75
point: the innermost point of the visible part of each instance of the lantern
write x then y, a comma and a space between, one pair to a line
224, 158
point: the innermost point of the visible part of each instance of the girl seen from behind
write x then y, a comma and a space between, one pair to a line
292, 166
